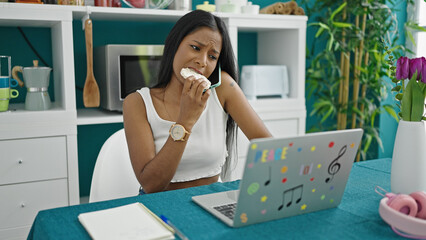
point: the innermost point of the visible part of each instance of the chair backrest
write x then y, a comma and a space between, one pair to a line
113, 176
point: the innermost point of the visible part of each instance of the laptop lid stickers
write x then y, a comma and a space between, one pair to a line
292, 176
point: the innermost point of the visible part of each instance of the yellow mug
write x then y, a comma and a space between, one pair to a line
4, 105
8, 93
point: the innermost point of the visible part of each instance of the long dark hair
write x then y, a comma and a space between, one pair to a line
187, 24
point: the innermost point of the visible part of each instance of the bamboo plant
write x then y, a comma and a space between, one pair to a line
347, 77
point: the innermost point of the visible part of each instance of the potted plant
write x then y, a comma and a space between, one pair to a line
409, 155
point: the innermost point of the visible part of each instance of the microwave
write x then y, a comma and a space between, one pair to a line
122, 69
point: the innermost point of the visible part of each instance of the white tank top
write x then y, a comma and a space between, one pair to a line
205, 151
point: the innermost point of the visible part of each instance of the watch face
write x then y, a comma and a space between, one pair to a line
177, 132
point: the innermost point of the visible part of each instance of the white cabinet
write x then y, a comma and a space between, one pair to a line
38, 160
40, 169
281, 40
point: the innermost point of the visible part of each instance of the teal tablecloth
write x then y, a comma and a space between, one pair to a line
356, 217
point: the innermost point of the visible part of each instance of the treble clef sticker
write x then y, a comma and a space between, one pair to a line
334, 166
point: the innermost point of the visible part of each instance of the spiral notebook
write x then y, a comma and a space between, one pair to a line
132, 221
285, 177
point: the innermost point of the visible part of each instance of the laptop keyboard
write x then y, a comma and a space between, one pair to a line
228, 210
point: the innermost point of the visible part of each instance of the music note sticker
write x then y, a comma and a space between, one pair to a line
334, 166
290, 195
269, 179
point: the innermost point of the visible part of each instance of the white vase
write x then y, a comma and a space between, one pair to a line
408, 173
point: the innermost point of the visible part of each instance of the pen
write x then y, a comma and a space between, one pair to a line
179, 233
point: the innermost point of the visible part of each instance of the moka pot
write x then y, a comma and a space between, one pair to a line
36, 80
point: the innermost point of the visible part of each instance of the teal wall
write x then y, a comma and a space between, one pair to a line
91, 137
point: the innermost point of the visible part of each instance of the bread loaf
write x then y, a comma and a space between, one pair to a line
283, 8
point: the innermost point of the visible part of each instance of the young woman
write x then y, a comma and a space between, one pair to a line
179, 135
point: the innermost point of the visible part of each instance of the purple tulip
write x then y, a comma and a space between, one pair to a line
402, 68
424, 70
415, 65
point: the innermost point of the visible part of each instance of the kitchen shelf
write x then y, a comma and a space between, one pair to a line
287, 106
89, 116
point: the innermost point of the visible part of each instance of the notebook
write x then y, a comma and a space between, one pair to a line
132, 221
285, 177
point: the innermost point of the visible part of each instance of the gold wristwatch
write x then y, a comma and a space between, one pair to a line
179, 133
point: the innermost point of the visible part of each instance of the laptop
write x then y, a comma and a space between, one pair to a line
284, 177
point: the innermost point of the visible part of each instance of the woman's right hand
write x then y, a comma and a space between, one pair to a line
193, 101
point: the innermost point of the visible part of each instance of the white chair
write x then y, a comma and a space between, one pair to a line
113, 176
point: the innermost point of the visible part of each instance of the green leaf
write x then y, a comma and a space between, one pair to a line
330, 42
415, 26
397, 88
323, 25
361, 114
319, 32
410, 36
361, 69
339, 9
367, 143
399, 96
329, 112
373, 116
342, 24
336, 46
407, 99
391, 111
417, 104
423, 87
315, 74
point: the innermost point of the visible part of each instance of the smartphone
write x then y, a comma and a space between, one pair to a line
215, 77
